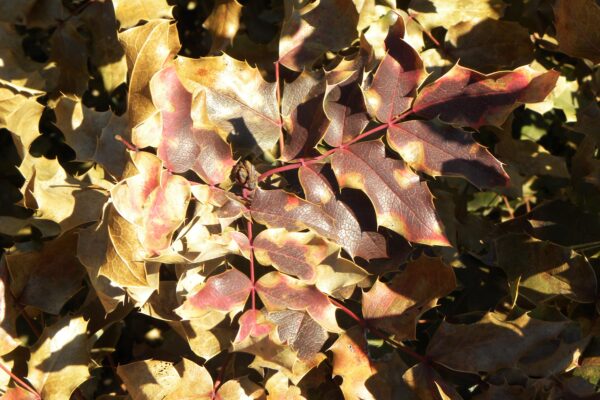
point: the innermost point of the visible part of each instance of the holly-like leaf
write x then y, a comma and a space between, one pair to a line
516, 343
147, 48
225, 293
260, 337
395, 82
402, 202
315, 28
62, 198
299, 331
46, 279
542, 269
184, 146
303, 114
59, 359
427, 383
279, 209
280, 292
489, 45
294, 253
468, 98
439, 149
130, 12
396, 307
223, 24
154, 200
577, 28
344, 104
362, 377
237, 98
435, 13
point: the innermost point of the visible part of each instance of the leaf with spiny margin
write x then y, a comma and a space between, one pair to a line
146, 50
435, 13
47, 278
130, 12
395, 82
223, 23
59, 360
124, 264
347, 231
238, 99
149, 379
279, 388
494, 343
260, 337
337, 276
402, 202
280, 292
303, 115
396, 306
363, 378
224, 293
344, 103
468, 98
310, 31
62, 198
154, 200
293, 253
427, 383
279, 209
438, 149
92, 251
299, 331
183, 145
543, 270
489, 45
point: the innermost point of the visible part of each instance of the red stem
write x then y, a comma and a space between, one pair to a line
20, 382
318, 158
219, 380
366, 326
252, 278
278, 83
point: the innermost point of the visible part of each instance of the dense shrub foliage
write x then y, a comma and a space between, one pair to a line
295, 199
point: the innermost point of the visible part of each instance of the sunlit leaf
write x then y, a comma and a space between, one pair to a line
469, 98
402, 202
439, 149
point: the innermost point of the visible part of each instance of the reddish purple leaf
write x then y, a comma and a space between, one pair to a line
165, 211
224, 292
347, 230
466, 97
303, 115
182, 146
396, 80
300, 331
294, 253
252, 323
439, 149
345, 107
402, 202
278, 209
280, 292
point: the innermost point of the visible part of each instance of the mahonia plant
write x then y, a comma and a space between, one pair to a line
212, 187
275, 213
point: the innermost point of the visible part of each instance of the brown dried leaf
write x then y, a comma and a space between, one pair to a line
59, 359
396, 307
46, 279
